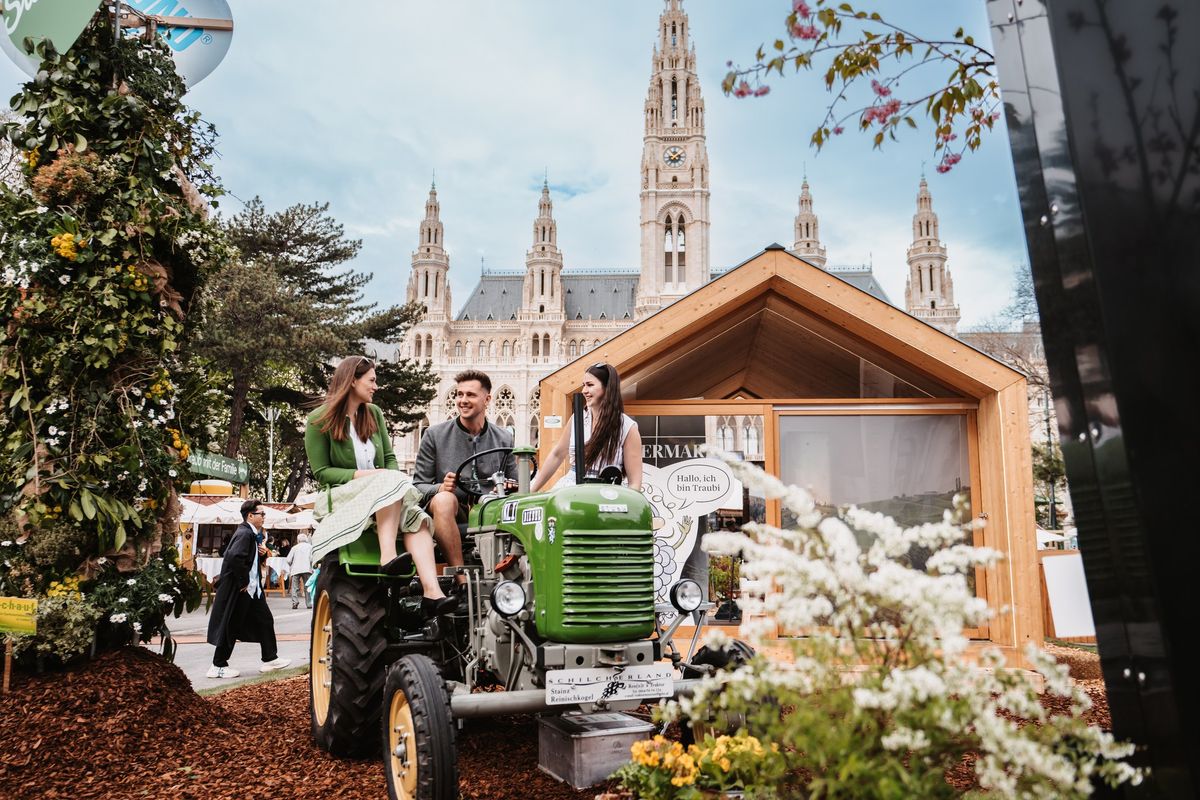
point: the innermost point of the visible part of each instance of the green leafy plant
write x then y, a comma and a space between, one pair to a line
135, 607
66, 629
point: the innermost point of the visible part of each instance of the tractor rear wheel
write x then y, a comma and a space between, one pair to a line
418, 733
347, 666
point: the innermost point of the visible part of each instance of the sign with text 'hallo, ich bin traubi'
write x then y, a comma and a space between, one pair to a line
18, 615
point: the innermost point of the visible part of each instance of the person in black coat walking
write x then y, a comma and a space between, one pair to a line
240, 611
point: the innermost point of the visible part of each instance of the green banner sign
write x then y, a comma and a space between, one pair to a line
60, 21
18, 615
228, 469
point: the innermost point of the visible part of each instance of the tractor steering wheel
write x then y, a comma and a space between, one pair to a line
474, 487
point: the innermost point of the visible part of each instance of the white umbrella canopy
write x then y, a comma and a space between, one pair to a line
228, 512
300, 521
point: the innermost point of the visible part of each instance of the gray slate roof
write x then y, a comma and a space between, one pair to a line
609, 294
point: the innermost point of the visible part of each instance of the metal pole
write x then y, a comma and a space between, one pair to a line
271, 414
1050, 454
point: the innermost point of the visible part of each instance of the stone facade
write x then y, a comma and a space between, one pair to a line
520, 325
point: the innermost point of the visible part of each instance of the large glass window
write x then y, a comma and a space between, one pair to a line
907, 466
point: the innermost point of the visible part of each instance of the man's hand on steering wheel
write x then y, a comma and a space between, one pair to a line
448, 482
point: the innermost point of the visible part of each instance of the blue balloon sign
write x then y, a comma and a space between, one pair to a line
197, 47
197, 50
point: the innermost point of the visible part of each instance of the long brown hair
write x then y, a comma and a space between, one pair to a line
605, 439
336, 406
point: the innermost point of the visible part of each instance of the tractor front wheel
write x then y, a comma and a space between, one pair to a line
418, 733
347, 660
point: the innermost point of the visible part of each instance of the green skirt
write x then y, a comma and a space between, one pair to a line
343, 512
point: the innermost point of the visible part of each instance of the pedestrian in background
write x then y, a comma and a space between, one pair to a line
299, 561
240, 612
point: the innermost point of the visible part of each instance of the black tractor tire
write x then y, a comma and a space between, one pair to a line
419, 758
347, 667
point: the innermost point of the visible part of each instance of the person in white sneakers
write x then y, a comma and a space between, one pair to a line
240, 611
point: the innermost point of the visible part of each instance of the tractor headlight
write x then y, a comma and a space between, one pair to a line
508, 598
686, 596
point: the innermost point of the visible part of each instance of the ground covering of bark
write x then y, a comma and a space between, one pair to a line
129, 725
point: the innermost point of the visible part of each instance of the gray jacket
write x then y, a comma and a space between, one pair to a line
447, 445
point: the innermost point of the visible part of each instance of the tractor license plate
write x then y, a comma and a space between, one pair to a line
650, 681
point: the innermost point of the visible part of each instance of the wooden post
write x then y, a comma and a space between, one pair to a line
7, 662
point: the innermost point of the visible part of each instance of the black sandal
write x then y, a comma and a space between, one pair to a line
435, 607
400, 565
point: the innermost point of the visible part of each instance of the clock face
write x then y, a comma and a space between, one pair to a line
674, 156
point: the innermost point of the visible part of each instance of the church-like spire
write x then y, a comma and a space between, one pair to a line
929, 289
808, 238
428, 282
675, 170
542, 291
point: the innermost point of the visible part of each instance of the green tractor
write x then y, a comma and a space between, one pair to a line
559, 611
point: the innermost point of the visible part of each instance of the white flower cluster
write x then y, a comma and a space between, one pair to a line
166, 598
893, 637
117, 619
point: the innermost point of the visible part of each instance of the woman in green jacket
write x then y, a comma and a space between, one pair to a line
351, 456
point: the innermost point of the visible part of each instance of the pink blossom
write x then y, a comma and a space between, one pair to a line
995, 115
947, 136
880, 89
883, 113
948, 161
838, 130
742, 90
760, 91
800, 31
801, 8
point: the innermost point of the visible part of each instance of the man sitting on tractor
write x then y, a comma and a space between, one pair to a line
447, 445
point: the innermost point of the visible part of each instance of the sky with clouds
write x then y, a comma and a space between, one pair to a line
357, 103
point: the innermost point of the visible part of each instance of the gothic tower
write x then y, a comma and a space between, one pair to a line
428, 282
675, 216
542, 292
808, 238
929, 289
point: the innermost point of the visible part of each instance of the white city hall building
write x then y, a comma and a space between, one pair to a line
521, 325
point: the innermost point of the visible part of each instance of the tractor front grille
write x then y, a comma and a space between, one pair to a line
608, 578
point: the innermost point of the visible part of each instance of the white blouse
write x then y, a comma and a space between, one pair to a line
364, 452
627, 424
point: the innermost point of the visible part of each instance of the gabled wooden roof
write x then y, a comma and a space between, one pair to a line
779, 327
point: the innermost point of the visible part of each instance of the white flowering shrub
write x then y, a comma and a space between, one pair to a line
877, 699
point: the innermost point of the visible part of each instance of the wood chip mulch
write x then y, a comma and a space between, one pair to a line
129, 725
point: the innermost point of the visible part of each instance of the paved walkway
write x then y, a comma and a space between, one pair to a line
194, 655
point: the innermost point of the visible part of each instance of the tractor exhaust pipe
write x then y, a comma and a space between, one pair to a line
465, 705
577, 420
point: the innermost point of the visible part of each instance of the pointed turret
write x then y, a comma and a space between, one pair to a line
929, 289
542, 292
675, 173
808, 238
428, 282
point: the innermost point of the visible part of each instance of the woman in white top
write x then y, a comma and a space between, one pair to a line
610, 437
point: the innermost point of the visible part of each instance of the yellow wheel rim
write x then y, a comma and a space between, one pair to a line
321, 658
402, 747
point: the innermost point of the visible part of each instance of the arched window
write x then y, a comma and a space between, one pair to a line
572, 350
429, 346
595, 344
435, 285
417, 347
422, 426
679, 272
752, 437
546, 345
537, 346
505, 350
458, 349
534, 430
505, 405
668, 253
725, 438
482, 350
674, 90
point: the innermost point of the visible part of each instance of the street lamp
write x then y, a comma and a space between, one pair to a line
272, 415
